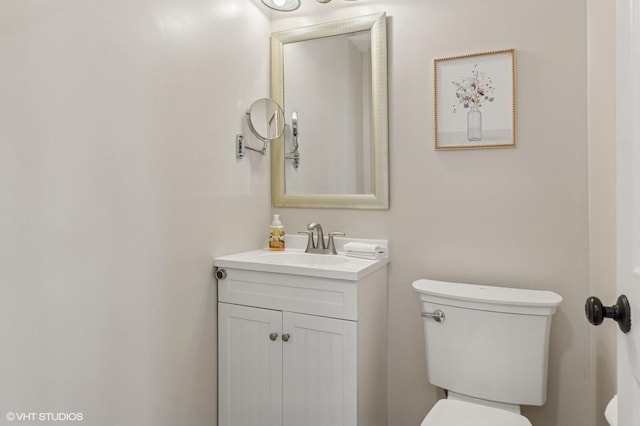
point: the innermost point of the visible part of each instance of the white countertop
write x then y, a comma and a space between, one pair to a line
337, 266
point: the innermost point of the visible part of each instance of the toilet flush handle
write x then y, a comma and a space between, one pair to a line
437, 315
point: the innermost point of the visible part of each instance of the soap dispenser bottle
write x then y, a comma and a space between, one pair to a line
276, 234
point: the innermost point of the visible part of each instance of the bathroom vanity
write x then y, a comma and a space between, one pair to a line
302, 339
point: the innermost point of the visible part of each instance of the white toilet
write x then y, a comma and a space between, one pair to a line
488, 348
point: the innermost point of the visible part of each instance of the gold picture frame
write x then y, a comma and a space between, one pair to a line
475, 100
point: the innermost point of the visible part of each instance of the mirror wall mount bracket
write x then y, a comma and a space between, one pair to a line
241, 147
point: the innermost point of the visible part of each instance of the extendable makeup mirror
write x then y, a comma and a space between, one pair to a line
266, 122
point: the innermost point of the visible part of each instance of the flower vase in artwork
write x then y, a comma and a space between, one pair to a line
474, 124
472, 92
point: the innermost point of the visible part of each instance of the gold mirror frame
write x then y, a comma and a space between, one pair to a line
379, 200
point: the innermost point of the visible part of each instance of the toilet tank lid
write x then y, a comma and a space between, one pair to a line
488, 294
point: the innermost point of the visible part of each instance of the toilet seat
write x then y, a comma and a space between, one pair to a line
449, 412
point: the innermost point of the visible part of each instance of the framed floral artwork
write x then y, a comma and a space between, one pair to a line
475, 100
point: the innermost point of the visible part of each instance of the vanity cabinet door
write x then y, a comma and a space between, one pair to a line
319, 371
249, 366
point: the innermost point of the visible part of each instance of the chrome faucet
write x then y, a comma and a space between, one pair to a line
317, 245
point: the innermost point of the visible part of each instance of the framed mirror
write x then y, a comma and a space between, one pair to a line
333, 79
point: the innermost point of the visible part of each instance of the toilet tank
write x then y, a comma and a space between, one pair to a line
493, 343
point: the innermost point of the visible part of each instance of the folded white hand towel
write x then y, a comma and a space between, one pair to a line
365, 250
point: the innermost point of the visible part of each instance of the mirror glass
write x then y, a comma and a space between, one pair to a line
328, 85
333, 77
266, 119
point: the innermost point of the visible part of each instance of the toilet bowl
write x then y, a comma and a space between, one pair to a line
488, 347
449, 412
611, 412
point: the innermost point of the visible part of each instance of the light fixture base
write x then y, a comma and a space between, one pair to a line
282, 5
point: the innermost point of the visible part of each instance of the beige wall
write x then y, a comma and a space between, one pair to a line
512, 217
118, 185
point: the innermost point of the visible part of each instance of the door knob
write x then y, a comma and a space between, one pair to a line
285, 337
273, 336
620, 312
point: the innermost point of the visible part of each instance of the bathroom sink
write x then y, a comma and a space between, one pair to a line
305, 259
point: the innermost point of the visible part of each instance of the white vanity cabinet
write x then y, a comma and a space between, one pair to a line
267, 378
299, 350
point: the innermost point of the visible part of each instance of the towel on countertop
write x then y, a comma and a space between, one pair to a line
365, 250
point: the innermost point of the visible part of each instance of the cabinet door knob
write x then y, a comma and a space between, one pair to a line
221, 274
274, 336
285, 337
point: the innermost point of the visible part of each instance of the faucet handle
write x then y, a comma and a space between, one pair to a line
310, 244
332, 244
